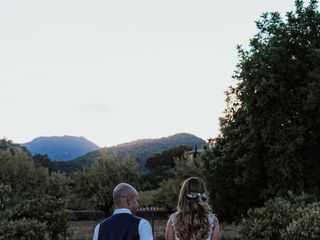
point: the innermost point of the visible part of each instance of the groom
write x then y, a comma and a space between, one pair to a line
123, 225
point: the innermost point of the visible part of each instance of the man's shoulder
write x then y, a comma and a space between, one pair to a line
143, 221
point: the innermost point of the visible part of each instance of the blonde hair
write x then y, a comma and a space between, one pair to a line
192, 211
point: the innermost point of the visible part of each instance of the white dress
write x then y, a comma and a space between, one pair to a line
211, 217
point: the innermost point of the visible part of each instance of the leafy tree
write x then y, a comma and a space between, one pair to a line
23, 229
161, 166
33, 219
270, 133
27, 212
168, 193
18, 171
55, 166
58, 185
166, 157
5, 192
94, 187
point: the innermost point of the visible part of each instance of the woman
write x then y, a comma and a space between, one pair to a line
194, 218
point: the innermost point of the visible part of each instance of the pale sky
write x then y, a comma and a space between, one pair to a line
121, 70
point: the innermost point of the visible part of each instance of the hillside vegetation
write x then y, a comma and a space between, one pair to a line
143, 149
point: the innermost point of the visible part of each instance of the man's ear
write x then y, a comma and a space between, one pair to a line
128, 201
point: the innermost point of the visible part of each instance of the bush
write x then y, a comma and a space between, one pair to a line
25, 229
5, 191
307, 226
147, 198
267, 222
48, 210
32, 219
288, 218
167, 195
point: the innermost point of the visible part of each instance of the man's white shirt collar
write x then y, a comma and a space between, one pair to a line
121, 210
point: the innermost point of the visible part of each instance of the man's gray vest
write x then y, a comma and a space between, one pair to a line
122, 226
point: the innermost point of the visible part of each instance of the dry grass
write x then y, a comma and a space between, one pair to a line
83, 230
229, 232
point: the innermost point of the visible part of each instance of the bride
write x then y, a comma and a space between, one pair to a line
194, 218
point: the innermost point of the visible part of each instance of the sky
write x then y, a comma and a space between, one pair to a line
121, 70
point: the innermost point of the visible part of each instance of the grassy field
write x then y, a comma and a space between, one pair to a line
83, 230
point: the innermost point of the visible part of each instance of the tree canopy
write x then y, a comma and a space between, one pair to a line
270, 133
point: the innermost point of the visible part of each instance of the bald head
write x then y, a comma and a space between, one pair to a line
121, 192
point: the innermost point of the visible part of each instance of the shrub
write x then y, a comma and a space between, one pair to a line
48, 210
168, 193
307, 226
32, 219
288, 218
5, 191
147, 198
25, 229
267, 222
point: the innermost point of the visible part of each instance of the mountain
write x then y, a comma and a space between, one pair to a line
142, 149
61, 148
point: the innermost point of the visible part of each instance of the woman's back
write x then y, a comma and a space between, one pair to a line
194, 219
212, 222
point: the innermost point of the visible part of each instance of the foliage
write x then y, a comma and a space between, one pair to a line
94, 187
27, 212
143, 149
58, 185
18, 171
32, 219
270, 132
168, 193
55, 166
24, 229
147, 198
5, 192
161, 166
166, 157
306, 226
279, 217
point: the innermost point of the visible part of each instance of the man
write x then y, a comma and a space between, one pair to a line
123, 225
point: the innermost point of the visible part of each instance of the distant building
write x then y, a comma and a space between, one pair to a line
197, 152
193, 153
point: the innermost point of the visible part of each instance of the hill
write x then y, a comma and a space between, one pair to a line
142, 149
60, 148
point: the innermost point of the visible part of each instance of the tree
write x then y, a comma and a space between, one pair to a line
161, 166
94, 187
26, 211
168, 193
18, 171
58, 185
270, 133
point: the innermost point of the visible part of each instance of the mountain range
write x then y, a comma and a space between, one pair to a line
82, 152
142, 149
61, 148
